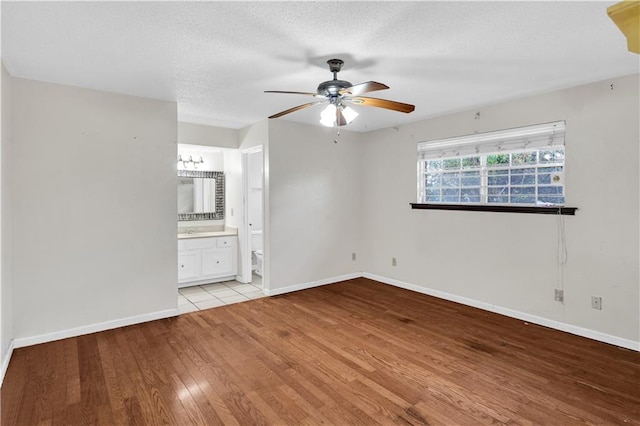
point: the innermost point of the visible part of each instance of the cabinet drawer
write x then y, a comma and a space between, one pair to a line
196, 243
188, 265
217, 262
203, 243
225, 241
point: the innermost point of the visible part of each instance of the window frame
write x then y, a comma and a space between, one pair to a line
539, 137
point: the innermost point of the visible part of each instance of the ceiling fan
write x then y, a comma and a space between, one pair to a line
339, 93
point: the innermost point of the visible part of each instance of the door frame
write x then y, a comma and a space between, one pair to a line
245, 234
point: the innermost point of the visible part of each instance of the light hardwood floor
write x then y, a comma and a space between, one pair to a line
357, 352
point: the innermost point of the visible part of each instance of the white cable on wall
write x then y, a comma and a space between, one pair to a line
562, 255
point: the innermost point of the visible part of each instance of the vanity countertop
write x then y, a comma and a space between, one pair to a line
226, 233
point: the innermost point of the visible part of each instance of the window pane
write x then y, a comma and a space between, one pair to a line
434, 164
549, 169
523, 171
497, 177
524, 158
470, 195
551, 156
451, 179
544, 178
470, 179
471, 162
433, 180
522, 177
451, 163
555, 200
433, 195
550, 190
523, 190
451, 195
498, 190
504, 199
523, 195
497, 160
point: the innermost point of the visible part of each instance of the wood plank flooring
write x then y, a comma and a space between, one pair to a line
356, 352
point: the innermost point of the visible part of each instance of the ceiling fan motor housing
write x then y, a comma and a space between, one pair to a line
332, 87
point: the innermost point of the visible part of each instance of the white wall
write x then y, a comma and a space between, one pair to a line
94, 219
315, 190
509, 260
198, 134
6, 310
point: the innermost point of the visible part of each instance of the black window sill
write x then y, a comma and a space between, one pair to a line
501, 209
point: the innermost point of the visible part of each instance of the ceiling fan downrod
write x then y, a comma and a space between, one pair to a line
335, 65
331, 88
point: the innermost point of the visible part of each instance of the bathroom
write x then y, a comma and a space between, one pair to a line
220, 242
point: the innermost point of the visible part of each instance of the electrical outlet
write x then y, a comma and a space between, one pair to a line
559, 295
353, 256
596, 302
231, 211
394, 262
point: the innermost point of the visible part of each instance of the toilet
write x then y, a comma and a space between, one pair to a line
256, 253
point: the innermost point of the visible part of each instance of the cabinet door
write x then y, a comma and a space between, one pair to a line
217, 262
188, 265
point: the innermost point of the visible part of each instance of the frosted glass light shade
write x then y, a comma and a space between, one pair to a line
349, 114
328, 116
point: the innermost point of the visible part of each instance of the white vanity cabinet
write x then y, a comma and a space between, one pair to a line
207, 260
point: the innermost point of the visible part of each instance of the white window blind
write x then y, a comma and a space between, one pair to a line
536, 136
523, 166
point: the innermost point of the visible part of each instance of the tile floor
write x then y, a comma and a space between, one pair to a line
207, 296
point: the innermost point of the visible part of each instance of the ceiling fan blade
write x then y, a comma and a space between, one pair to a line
296, 108
291, 93
358, 89
383, 103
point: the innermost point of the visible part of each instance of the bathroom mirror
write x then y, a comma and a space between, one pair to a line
200, 195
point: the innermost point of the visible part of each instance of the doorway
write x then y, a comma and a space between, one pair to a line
253, 223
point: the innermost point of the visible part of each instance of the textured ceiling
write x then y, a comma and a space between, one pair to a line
216, 58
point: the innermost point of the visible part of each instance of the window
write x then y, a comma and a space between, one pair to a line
522, 166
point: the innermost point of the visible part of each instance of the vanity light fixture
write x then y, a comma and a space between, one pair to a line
185, 163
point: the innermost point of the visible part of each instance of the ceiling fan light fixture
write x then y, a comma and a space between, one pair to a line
328, 116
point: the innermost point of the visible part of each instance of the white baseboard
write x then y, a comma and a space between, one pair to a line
573, 329
5, 362
311, 284
92, 328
